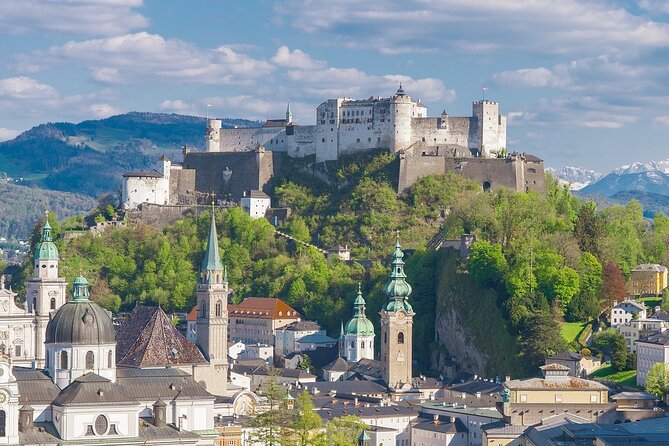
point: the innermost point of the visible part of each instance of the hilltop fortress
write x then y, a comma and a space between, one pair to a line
241, 159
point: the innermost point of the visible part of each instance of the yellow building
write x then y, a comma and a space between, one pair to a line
528, 401
649, 279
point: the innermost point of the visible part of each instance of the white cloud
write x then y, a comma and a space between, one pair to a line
102, 110
7, 134
485, 26
81, 17
144, 57
657, 6
529, 77
296, 59
22, 88
178, 106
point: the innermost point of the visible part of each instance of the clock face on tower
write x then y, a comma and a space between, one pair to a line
400, 315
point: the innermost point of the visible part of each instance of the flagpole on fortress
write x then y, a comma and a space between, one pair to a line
484, 90
208, 105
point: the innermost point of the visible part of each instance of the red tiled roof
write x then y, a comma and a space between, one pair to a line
263, 308
193, 314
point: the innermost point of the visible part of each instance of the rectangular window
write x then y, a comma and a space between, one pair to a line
558, 398
523, 398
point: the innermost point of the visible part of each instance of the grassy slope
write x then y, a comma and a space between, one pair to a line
606, 373
479, 314
571, 330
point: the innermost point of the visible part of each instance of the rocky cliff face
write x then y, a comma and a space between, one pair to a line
471, 332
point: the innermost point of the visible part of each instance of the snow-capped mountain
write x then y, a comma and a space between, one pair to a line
576, 177
650, 177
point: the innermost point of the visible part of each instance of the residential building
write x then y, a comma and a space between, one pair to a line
439, 431
472, 418
341, 252
641, 328
256, 203
625, 311
579, 366
287, 338
256, 319
649, 279
650, 351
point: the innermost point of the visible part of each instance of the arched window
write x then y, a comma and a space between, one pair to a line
400, 338
3, 423
219, 308
352, 344
34, 304
110, 359
385, 337
362, 344
53, 303
64, 363
90, 360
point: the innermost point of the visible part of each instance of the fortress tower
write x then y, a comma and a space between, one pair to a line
45, 291
400, 114
397, 327
212, 138
490, 128
212, 314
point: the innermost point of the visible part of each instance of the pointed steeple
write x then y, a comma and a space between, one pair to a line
289, 114
359, 304
398, 290
341, 330
212, 261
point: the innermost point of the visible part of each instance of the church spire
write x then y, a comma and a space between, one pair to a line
212, 261
289, 114
398, 290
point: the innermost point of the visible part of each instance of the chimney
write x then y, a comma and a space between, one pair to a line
355, 401
507, 378
478, 394
26, 418
160, 413
435, 418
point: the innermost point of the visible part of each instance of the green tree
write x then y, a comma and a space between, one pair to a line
268, 428
298, 228
539, 338
305, 423
657, 380
589, 229
305, 363
487, 263
612, 343
344, 431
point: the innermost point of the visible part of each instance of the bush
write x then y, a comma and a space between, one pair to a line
586, 352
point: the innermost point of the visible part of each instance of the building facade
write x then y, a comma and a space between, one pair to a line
256, 319
256, 203
649, 279
650, 351
625, 311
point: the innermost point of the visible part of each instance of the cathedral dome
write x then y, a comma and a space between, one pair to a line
80, 321
46, 249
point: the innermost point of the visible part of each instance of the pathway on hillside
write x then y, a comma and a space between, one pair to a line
290, 237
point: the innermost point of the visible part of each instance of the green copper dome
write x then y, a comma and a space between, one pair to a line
359, 325
46, 249
80, 290
397, 289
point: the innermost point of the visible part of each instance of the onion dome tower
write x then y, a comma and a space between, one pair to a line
359, 334
45, 291
397, 326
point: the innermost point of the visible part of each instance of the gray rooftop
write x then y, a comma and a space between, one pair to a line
92, 389
35, 386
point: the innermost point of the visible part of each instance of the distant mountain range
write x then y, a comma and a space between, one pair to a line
87, 161
647, 183
576, 177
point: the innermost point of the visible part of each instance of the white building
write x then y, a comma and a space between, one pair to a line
146, 187
650, 351
288, 337
625, 311
640, 328
439, 431
346, 125
256, 203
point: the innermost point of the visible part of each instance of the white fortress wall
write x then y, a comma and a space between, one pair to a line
243, 139
302, 142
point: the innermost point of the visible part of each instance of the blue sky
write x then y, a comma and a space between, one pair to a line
582, 82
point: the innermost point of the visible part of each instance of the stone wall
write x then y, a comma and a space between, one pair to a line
243, 139
230, 173
517, 172
158, 215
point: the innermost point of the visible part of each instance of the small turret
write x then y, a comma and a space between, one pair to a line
160, 413
26, 414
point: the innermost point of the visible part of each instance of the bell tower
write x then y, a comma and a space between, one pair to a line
45, 291
212, 313
397, 327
